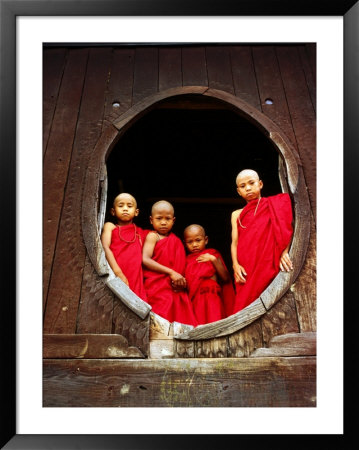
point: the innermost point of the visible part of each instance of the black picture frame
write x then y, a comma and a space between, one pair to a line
9, 10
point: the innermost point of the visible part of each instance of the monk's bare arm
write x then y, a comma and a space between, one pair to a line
239, 271
106, 242
147, 253
222, 272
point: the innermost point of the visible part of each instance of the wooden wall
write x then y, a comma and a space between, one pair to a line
80, 87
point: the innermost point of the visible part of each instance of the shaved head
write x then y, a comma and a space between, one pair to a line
125, 196
247, 173
194, 227
162, 204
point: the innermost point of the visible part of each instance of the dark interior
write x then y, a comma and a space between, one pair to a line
191, 157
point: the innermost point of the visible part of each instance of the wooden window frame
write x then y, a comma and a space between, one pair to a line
291, 179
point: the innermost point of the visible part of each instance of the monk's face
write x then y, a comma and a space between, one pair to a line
195, 240
162, 219
124, 209
249, 185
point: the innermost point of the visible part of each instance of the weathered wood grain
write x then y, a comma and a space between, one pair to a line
58, 155
66, 279
302, 114
304, 288
145, 77
119, 92
169, 68
219, 68
212, 348
292, 344
309, 73
194, 69
222, 382
280, 319
244, 77
54, 61
88, 346
161, 348
243, 342
160, 328
131, 326
96, 304
270, 86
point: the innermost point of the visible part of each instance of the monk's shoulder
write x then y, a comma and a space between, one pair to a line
109, 226
236, 213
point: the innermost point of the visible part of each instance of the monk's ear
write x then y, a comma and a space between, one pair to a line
174, 220
206, 240
238, 191
151, 221
260, 184
112, 211
137, 212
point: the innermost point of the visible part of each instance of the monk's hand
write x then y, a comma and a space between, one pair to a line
239, 274
285, 262
178, 280
206, 257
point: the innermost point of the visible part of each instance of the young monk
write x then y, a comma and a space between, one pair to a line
208, 282
164, 260
123, 243
261, 234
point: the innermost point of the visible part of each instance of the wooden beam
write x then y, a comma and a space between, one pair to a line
217, 382
88, 346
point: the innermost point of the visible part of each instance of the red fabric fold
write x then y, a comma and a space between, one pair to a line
126, 245
211, 300
261, 244
167, 303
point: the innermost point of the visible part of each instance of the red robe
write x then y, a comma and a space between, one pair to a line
127, 250
211, 301
261, 243
171, 305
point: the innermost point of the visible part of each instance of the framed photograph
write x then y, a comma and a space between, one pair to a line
33, 47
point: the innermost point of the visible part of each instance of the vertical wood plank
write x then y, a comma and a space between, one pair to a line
244, 77
302, 114
170, 68
270, 86
219, 68
145, 81
194, 67
309, 76
311, 50
58, 154
54, 60
65, 287
120, 84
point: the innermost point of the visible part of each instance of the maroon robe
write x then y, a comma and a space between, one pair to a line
165, 301
211, 300
261, 243
126, 245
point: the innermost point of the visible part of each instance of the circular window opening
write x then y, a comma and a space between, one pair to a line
188, 148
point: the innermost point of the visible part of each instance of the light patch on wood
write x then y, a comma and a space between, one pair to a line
125, 389
84, 350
